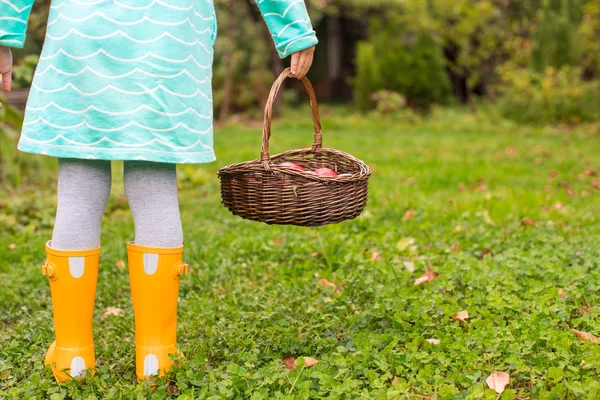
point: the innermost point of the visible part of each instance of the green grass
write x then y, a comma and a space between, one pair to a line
252, 297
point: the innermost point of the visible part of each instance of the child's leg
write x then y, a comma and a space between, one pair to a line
83, 190
151, 190
72, 264
155, 263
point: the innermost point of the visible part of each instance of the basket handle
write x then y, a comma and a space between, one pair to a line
266, 134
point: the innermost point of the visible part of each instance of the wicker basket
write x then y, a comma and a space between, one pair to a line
262, 190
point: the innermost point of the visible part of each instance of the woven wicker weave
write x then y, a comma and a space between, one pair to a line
262, 190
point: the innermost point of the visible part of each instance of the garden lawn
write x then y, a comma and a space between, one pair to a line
508, 216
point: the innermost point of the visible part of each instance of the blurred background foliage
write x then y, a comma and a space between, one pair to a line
532, 61
528, 53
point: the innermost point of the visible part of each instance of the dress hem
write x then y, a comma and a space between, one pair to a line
111, 154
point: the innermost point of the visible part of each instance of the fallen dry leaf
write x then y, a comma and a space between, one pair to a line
120, 264
12, 246
459, 228
528, 222
562, 292
538, 161
455, 247
410, 266
511, 151
498, 381
585, 309
485, 252
405, 243
408, 214
595, 184
551, 176
556, 206
315, 254
326, 283
583, 336
411, 180
291, 362
462, 187
394, 381
433, 341
461, 315
479, 186
278, 240
589, 172
570, 192
172, 389
375, 255
427, 277
309, 361
111, 311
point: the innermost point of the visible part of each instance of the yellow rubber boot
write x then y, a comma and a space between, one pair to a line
73, 276
154, 273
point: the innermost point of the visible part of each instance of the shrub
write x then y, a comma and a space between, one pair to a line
553, 96
554, 42
388, 101
368, 78
404, 61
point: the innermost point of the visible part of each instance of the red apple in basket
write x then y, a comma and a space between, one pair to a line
325, 172
292, 165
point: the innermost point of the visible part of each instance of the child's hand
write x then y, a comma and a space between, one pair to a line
301, 62
5, 68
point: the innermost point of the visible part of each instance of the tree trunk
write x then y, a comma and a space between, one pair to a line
334, 48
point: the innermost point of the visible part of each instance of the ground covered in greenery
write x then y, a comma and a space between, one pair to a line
508, 216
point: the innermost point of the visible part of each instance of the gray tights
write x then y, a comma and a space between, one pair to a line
83, 191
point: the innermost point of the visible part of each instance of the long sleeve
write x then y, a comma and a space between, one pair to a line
14, 15
289, 24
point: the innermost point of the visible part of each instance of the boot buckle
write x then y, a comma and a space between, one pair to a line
181, 268
49, 271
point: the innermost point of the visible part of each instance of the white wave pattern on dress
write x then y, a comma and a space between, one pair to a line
128, 60
121, 76
108, 87
15, 7
128, 125
143, 107
129, 38
139, 21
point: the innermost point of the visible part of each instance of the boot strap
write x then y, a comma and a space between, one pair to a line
49, 270
181, 268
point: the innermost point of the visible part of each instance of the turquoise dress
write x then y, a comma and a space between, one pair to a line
131, 79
